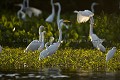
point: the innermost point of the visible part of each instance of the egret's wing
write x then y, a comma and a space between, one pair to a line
87, 13
43, 54
50, 18
101, 47
35, 11
84, 16
29, 12
110, 54
34, 45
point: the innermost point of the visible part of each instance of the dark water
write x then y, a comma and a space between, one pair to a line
56, 74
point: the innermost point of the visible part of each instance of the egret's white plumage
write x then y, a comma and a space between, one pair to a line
35, 44
0, 48
110, 53
41, 47
83, 16
54, 47
29, 10
92, 6
96, 41
51, 16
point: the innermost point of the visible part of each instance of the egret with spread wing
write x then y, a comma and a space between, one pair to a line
83, 16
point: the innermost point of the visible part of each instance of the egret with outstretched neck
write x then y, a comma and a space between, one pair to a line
58, 15
35, 44
96, 41
51, 16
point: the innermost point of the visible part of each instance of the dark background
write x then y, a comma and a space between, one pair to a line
108, 6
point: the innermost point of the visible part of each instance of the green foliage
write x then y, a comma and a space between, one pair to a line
106, 27
67, 59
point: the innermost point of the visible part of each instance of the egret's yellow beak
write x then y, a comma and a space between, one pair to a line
66, 21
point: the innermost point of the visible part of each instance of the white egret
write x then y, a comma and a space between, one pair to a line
83, 16
20, 13
110, 53
54, 47
51, 16
41, 47
58, 15
35, 44
96, 41
32, 10
0, 48
92, 6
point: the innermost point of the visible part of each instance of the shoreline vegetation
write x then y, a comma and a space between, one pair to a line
71, 56
76, 60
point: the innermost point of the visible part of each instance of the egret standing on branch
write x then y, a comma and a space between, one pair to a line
35, 44
51, 16
110, 53
83, 16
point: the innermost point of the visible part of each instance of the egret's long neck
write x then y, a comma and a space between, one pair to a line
60, 35
40, 35
92, 8
58, 14
91, 26
53, 8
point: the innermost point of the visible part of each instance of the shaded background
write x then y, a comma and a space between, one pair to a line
108, 6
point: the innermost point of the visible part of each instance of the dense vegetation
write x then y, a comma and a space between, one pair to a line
106, 27
76, 52
66, 59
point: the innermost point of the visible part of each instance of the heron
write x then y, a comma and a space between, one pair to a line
54, 47
96, 41
83, 16
51, 16
35, 44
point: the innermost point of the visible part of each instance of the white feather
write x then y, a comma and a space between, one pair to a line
110, 53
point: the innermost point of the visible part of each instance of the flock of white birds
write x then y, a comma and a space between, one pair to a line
50, 47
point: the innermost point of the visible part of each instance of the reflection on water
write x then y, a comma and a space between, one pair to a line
55, 74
